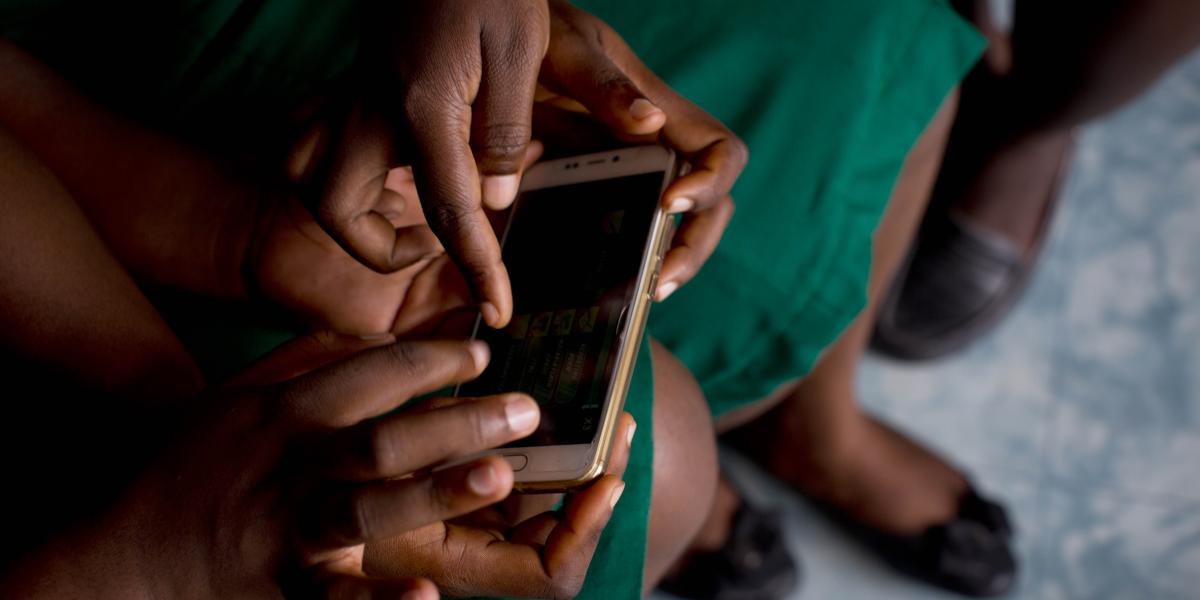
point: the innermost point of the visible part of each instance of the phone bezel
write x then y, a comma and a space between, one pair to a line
557, 468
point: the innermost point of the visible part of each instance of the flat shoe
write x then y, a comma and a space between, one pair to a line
969, 555
958, 283
754, 564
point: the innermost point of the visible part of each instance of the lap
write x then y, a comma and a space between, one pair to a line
829, 95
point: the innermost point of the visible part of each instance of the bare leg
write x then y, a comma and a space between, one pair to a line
1077, 60
685, 464
1072, 62
816, 436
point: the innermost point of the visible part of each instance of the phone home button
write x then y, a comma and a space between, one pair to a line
516, 461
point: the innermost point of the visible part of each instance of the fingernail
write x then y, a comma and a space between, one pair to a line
377, 337
616, 495
680, 205
491, 314
642, 109
629, 436
480, 354
522, 414
499, 191
534, 151
482, 480
666, 289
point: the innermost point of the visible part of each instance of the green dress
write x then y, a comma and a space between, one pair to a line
829, 94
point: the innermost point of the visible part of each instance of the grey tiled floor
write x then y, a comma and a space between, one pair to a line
1083, 410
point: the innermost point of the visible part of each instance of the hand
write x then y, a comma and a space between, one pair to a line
483, 554
454, 97
589, 67
293, 262
274, 487
448, 88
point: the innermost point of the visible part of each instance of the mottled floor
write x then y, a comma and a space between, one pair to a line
1083, 410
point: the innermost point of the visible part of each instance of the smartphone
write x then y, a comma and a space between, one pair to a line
583, 246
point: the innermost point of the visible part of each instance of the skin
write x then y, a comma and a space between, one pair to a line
813, 434
216, 517
286, 251
1064, 65
465, 130
66, 299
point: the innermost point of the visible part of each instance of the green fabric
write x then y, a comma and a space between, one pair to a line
829, 95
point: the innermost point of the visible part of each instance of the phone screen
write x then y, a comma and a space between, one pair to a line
573, 253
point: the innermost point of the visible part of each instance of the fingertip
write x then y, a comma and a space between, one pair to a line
647, 117
422, 589
482, 480
680, 205
377, 339
615, 495
499, 191
491, 477
481, 354
491, 315
522, 413
533, 152
665, 289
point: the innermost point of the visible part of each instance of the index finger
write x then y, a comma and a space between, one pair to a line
377, 381
447, 180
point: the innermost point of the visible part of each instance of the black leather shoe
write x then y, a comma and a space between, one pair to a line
959, 283
754, 564
969, 555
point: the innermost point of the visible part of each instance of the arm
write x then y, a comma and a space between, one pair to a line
168, 215
67, 302
215, 517
174, 218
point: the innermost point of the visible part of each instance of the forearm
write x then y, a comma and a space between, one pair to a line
168, 214
66, 300
77, 566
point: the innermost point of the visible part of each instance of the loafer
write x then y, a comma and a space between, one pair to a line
959, 283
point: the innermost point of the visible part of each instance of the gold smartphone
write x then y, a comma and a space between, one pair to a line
583, 247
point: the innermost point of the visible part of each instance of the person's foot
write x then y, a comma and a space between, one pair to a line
739, 554
990, 212
872, 474
903, 501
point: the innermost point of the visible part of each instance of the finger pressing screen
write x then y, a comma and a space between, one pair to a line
382, 510
412, 440
377, 381
448, 184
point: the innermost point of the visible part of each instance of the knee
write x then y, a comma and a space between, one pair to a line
685, 464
